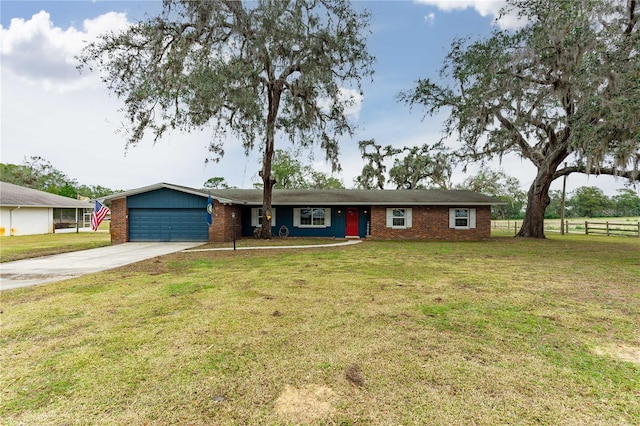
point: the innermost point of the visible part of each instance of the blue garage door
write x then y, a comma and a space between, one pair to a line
168, 225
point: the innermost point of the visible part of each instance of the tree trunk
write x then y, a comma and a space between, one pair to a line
269, 148
537, 202
267, 190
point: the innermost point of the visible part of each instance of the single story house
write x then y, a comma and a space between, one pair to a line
27, 211
167, 212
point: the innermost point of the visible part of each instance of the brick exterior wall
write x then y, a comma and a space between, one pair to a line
221, 231
119, 221
430, 223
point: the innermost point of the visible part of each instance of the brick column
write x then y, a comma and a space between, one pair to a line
119, 227
221, 231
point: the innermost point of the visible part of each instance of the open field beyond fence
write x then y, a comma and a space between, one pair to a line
613, 226
506, 331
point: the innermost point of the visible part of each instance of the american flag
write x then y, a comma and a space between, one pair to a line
100, 211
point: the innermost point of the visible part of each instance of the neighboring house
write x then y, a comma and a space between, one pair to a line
26, 211
166, 212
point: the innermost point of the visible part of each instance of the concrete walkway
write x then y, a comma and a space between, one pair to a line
41, 270
344, 243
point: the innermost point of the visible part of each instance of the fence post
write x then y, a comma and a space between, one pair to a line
586, 227
638, 229
515, 228
607, 223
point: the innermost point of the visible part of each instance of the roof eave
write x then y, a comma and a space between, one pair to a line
161, 185
384, 203
43, 206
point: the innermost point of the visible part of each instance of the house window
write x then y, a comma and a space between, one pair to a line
399, 218
312, 217
256, 217
462, 218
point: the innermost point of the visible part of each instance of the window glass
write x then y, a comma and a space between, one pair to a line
312, 217
305, 216
318, 216
398, 217
462, 218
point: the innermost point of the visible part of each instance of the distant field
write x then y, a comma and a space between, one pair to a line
576, 225
506, 331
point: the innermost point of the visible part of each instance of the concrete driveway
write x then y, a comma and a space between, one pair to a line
40, 270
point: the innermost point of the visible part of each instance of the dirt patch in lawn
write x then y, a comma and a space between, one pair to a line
622, 352
307, 404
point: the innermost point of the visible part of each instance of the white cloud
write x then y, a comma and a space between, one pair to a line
430, 18
45, 55
483, 7
350, 99
353, 100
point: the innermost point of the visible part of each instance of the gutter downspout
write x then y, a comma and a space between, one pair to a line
11, 220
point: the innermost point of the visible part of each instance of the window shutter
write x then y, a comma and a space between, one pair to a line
254, 217
452, 218
296, 217
407, 219
389, 218
327, 217
472, 218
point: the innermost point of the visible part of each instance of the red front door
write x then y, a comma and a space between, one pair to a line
352, 223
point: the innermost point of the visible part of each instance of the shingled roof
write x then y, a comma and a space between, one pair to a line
318, 197
18, 196
312, 197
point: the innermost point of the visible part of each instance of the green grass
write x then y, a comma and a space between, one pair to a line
506, 331
27, 246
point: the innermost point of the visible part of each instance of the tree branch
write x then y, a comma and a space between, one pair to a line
526, 149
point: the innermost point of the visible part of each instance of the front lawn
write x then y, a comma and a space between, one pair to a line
27, 246
506, 331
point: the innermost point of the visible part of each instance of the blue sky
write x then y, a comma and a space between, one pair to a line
51, 110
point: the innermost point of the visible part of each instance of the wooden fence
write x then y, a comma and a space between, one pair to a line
606, 228
631, 229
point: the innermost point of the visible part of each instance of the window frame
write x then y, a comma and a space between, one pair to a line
470, 218
391, 217
297, 217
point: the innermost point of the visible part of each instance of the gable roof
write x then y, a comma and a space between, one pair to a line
318, 197
18, 196
156, 186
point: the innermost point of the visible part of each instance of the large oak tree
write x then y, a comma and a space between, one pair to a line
562, 92
254, 69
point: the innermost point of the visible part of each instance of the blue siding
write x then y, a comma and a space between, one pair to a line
284, 216
165, 198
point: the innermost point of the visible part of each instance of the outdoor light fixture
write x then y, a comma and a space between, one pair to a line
233, 217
